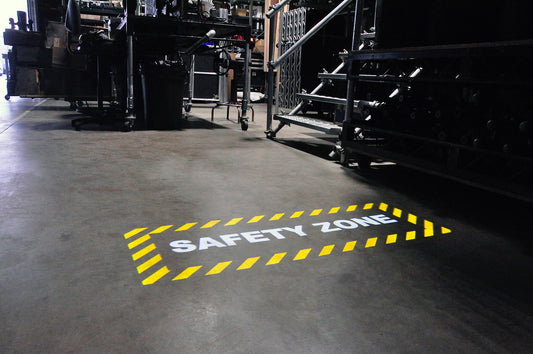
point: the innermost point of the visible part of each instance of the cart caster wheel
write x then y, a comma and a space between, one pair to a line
270, 134
7, 97
188, 108
128, 126
73, 106
244, 124
363, 162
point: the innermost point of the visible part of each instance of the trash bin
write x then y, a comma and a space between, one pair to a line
163, 85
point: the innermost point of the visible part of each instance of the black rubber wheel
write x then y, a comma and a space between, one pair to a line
270, 134
363, 162
7, 97
128, 126
244, 124
188, 108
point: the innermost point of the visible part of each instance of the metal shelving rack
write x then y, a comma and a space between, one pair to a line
460, 111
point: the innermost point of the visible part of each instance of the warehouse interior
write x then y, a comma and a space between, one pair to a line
258, 176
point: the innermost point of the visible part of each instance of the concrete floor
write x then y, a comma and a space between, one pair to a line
274, 262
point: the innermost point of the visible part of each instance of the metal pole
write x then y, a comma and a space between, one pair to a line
129, 69
246, 93
274, 9
312, 32
355, 45
271, 76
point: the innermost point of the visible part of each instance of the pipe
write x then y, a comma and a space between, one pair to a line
315, 91
274, 9
206, 38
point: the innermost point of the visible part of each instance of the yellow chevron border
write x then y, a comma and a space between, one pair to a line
149, 261
300, 255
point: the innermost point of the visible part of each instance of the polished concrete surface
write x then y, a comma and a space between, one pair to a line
215, 240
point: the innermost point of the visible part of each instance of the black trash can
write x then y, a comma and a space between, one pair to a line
163, 85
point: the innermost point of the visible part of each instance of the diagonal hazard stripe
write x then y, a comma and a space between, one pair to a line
428, 229
187, 273
371, 242
397, 212
326, 250
143, 252
383, 207
302, 254
219, 268
186, 226
210, 224
149, 263
255, 219
233, 221
351, 208
296, 214
276, 258
138, 241
412, 218
368, 206
410, 235
315, 212
350, 246
334, 210
391, 239
249, 263
160, 229
134, 232
277, 217
444, 230
156, 276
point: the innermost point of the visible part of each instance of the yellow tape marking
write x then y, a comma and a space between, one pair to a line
296, 215
397, 212
411, 235
186, 226
371, 242
368, 206
160, 229
428, 229
138, 241
444, 230
187, 273
277, 217
391, 239
276, 258
256, 219
156, 276
142, 252
351, 208
315, 212
233, 221
412, 218
249, 263
134, 232
326, 250
383, 207
146, 265
334, 210
350, 246
302, 254
218, 268
210, 224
